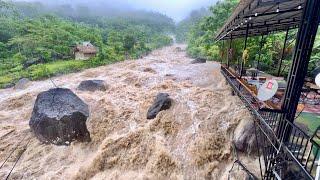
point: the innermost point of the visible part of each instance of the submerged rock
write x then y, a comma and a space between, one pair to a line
92, 85
59, 117
7, 86
162, 102
199, 61
178, 49
22, 83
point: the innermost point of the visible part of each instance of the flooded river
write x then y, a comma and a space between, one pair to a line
191, 140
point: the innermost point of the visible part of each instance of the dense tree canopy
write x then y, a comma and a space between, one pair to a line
47, 34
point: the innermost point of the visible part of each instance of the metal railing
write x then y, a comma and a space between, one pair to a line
287, 151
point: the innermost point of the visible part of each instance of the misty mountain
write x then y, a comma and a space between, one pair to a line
177, 9
95, 14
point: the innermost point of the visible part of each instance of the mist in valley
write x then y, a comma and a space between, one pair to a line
177, 10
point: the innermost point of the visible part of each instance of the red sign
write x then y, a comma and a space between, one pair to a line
270, 85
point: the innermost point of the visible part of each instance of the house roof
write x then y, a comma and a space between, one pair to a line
262, 17
86, 49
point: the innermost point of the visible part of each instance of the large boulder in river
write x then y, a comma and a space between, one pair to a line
161, 103
244, 136
92, 85
59, 117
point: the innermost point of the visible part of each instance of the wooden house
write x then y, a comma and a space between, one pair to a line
85, 51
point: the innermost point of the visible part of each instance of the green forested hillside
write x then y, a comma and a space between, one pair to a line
201, 42
45, 36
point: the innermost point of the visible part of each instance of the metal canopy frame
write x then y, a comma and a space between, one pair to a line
285, 141
263, 17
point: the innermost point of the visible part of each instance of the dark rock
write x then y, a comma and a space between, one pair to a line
233, 93
57, 56
92, 85
162, 102
22, 83
244, 137
59, 117
199, 61
179, 49
150, 70
31, 62
7, 86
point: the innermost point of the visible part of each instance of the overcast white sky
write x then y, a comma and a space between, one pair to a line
176, 9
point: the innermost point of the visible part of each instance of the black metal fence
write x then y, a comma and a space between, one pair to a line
287, 152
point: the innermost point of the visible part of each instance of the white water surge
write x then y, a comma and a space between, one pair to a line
191, 140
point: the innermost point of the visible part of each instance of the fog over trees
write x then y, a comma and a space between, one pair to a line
177, 10
37, 38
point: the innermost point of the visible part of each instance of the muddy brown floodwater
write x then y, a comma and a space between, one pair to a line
191, 140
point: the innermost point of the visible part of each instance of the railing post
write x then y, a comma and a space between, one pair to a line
229, 55
245, 47
222, 52
318, 169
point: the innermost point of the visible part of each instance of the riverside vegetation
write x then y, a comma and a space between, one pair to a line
45, 34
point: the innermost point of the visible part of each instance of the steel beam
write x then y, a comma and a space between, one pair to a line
283, 51
271, 21
303, 49
261, 29
222, 52
277, 24
295, 9
257, 33
274, 2
229, 58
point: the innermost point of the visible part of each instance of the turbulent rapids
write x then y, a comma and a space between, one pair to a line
191, 140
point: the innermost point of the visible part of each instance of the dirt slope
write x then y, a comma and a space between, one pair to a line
189, 141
